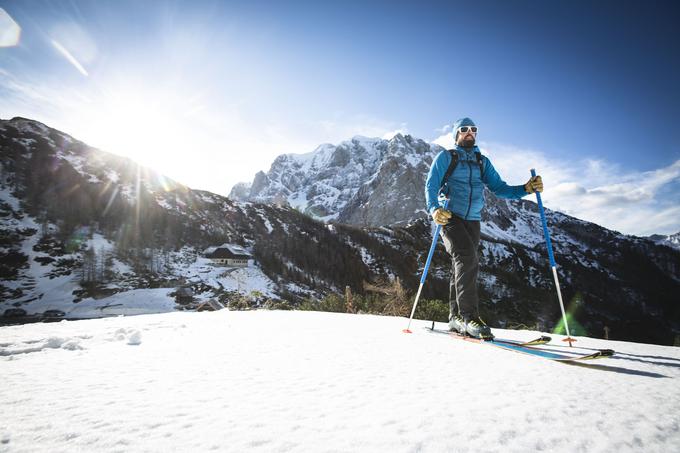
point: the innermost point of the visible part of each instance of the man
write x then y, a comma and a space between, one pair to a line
463, 182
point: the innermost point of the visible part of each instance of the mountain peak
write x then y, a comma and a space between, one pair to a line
27, 124
337, 181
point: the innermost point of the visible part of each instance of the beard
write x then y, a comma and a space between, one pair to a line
468, 142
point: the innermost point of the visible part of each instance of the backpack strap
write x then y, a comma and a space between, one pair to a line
444, 187
480, 162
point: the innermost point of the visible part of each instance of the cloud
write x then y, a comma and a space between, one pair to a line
389, 135
342, 126
599, 191
446, 140
445, 129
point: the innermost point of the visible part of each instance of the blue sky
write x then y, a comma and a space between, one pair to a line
210, 92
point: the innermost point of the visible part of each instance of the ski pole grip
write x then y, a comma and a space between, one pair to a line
545, 225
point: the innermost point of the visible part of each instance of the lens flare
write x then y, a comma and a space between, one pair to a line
71, 59
10, 31
572, 309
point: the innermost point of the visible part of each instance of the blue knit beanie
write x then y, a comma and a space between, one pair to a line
463, 122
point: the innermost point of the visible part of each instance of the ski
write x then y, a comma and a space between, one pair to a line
533, 348
543, 339
551, 355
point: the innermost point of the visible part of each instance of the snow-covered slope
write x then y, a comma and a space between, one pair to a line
54, 284
303, 381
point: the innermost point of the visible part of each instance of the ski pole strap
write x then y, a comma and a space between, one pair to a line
545, 225
433, 246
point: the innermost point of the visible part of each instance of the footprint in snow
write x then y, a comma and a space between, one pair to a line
132, 336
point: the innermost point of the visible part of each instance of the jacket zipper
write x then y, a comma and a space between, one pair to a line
470, 200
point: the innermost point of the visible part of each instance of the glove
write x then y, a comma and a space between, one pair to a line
441, 216
535, 184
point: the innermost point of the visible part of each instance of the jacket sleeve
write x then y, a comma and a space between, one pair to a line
434, 180
494, 182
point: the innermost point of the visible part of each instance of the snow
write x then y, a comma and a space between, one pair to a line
162, 202
27, 142
7, 197
242, 279
133, 302
112, 175
76, 161
42, 291
298, 200
304, 381
413, 160
265, 218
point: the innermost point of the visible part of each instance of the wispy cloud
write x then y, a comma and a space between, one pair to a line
343, 126
445, 129
621, 199
389, 135
446, 139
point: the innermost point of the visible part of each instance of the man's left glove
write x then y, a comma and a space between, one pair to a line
441, 216
535, 184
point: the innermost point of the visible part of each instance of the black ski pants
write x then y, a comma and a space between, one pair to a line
461, 239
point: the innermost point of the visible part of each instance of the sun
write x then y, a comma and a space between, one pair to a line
175, 131
150, 128
145, 129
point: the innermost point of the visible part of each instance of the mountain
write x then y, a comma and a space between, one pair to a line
263, 381
671, 240
80, 227
349, 183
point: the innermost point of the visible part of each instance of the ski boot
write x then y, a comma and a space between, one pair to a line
477, 328
457, 324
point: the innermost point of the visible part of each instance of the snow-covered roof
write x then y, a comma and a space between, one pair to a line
227, 251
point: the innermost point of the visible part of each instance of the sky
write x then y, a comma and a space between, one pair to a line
210, 92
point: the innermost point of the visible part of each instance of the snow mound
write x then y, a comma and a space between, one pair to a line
30, 346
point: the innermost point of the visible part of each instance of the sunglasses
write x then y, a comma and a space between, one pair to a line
465, 129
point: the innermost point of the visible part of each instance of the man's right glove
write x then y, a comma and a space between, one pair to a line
535, 184
441, 216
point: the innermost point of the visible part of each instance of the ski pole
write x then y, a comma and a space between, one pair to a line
427, 266
553, 265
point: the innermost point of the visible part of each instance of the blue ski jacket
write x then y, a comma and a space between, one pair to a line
466, 186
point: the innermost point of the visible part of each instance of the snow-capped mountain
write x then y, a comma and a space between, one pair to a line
349, 182
81, 227
671, 240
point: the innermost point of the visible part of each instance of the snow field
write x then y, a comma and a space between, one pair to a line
308, 381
